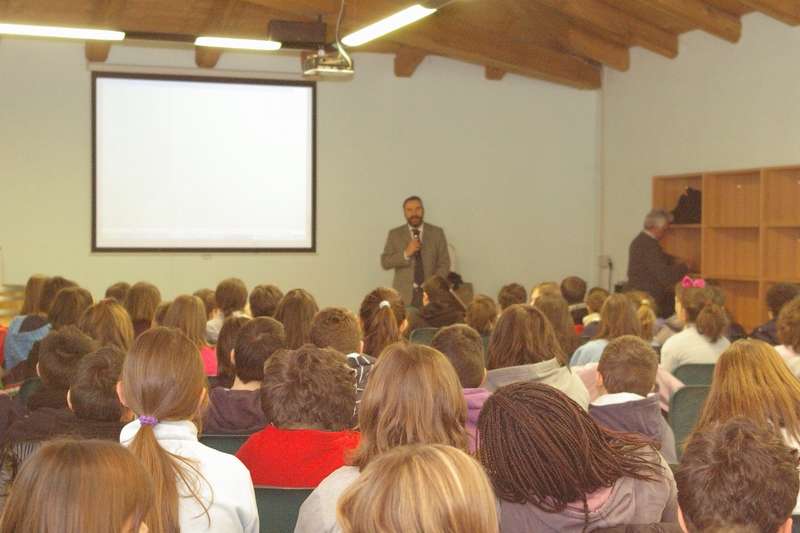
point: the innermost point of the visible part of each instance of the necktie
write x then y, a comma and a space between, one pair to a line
419, 272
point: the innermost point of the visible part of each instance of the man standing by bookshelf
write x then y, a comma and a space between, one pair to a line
650, 268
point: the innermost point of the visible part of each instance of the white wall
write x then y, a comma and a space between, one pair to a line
717, 106
507, 168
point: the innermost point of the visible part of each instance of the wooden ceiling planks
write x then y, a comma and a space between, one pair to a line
562, 41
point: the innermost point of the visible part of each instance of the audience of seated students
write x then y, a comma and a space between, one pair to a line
70, 486
573, 289
196, 488
226, 342
160, 314
464, 349
59, 354
108, 323
67, 309
788, 329
118, 291
511, 294
237, 410
419, 489
617, 318
209, 299
737, 477
295, 311
141, 302
524, 347
556, 309
264, 300
187, 313
701, 340
545, 287
231, 297
440, 307
647, 314
751, 380
383, 318
337, 328
626, 379
595, 299
94, 412
412, 396
481, 315
32, 326
777, 296
308, 397
554, 469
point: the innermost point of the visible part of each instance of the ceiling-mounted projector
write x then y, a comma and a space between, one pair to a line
328, 65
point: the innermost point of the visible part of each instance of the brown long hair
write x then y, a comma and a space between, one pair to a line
78, 486
523, 336
381, 325
225, 343
295, 311
141, 301
33, 293
751, 380
412, 396
709, 318
481, 314
163, 377
68, 307
188, 314
646, 311
108, 323
438, 290
539, 447
556, 308
618, 318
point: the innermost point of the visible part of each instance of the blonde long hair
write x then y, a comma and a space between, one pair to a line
413, 396
751, 380
419, 488
163, 378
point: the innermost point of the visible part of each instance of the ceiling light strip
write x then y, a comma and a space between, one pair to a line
389, 24
241, 44
62, 33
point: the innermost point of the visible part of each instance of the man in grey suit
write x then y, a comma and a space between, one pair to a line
415, 251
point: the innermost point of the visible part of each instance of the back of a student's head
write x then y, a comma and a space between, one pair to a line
617, 318
481, 314
628, 364
68, 306
93, 387
59, 354
141, 301
382, 314
209, 299
463, 347
295, 311
545, 287
231, 295
256, 341
779, 295
49, 290
735, 476
187, 313
522, 336
33, 294
108, 323
511, 294
337, 328
161, 313
264, 299
595, 299
573, 289
118, 291
308, 388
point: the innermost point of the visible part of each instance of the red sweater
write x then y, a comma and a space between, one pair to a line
295, 458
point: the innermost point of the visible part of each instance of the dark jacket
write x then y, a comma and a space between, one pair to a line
652, 270
233, 412
435, 315
46, 422
642, 416
767, 332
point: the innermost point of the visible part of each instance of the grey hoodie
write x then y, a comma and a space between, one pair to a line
548, 372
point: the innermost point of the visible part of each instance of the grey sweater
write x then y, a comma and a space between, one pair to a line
549, 372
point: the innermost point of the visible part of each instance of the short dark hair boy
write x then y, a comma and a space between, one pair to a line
511, 294
93, 388
735, 476
777, 297
264, 299
573, 289
337, 328
463, 347
231, 295
255, 343
59, 354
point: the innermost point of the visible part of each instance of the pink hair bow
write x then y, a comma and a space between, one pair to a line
687, 283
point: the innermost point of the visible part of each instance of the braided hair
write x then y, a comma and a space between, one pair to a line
540, 447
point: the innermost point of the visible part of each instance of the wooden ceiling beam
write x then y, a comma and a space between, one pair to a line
633, 30
406, 61
587, 45
448, 38
702, 15
107, 15
215, 25
787, 11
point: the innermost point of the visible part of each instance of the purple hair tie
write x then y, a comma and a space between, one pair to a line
148, 420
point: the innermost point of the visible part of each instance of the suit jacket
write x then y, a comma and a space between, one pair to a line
435, 257
652, 270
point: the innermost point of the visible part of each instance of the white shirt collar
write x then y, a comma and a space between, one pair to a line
618, 397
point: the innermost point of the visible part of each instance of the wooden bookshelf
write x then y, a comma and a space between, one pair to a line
749, 235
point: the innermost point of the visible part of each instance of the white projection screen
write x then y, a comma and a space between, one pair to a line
202, 164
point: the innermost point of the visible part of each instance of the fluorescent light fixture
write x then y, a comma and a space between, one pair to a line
243, 44
382, 27
64, 33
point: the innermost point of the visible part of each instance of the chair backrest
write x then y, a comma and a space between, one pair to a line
685, 406
26, 389
278, 508
695, 374
423, 335
224, 443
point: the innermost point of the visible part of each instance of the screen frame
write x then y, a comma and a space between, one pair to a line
213, 79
